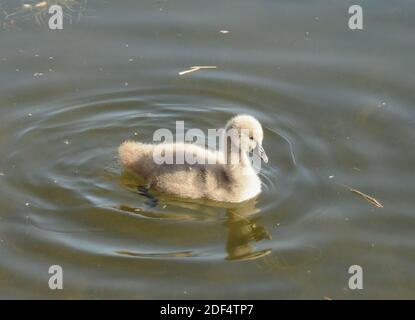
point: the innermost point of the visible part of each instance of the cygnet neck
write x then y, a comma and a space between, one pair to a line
235, 157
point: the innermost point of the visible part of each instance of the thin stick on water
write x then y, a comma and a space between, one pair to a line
370, 199
196, 68
365, 196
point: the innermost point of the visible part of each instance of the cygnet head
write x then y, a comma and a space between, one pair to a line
248, 134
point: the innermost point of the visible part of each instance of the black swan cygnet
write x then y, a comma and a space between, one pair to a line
218, 178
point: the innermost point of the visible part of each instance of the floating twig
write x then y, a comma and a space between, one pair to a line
365, 196
368, 198
196, 68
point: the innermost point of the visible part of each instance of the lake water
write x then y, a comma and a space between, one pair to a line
338, 108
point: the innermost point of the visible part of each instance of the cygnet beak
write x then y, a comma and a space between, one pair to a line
259, 150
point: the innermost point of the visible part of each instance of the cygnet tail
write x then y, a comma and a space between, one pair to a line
130, 152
